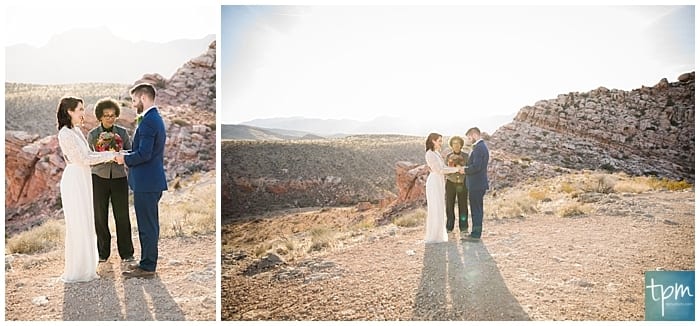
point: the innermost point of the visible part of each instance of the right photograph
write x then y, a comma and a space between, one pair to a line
495, 163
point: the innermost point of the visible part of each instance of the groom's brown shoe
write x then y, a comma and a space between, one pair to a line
139, 273
132, 267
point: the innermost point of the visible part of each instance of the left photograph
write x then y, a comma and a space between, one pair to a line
110, 162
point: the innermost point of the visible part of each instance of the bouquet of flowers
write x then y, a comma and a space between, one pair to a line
455, 160
109, 141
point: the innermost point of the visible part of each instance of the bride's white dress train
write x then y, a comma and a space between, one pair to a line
435, 229
76, 198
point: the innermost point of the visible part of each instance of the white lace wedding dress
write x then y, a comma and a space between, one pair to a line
76, 197
435, 229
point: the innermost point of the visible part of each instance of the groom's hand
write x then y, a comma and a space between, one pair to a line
119, 158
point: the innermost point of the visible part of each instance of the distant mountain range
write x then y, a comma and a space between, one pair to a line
96, 55
297, 127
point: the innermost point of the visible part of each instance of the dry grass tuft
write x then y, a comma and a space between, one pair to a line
567, 187
367, 222
635, 185
538, 194
43, 238
666, 184
573, 209
321, 237
516, 204
191, 213
411, 219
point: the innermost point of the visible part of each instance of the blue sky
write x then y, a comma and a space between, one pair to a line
361, 62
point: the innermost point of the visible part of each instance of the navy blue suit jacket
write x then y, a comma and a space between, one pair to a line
146, 170
477, 168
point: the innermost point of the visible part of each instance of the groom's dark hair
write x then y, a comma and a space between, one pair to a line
106, 104
473, 130
144, 88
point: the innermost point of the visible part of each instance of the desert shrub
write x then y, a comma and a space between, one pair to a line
411, 219
262, 249
367, 222
635, 185
321, 237
567, 187
573, 209
604, 184
666, 184
538, 195
43, 238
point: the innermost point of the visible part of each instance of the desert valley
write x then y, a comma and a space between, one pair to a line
588, 191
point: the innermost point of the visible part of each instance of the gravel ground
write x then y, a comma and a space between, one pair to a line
183, 289
542, 267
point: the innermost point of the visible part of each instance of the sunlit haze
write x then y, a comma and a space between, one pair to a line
437, 63
35, 22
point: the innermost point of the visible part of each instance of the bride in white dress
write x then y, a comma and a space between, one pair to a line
76, 193
435, 230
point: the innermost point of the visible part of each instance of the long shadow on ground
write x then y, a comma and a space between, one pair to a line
460, 281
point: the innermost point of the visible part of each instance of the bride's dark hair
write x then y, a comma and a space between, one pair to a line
429, 146
67, 103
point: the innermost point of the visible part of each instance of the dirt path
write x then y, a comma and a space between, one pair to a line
184, 288
542, 267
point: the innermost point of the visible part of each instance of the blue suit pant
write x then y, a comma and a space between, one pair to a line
146, 206
476, 204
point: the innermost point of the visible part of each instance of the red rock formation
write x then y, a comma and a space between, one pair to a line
410, 181
32, 168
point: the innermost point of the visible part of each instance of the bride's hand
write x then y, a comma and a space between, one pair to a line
119, 158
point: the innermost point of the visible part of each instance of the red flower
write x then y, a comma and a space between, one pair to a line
109, 141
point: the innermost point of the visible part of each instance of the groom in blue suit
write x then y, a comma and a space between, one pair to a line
146, 176
477, 180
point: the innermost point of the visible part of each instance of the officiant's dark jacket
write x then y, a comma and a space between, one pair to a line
109, 170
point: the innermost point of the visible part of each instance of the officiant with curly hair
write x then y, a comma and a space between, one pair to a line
109, 182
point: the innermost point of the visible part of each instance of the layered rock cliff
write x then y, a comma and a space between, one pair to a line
193, 84
646, 131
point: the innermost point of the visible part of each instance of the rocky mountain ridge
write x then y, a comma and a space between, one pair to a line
650, 130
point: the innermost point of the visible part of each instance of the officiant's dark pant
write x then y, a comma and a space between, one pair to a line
459, 191
146, 206
115, 191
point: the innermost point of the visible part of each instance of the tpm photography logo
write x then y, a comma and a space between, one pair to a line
669, 295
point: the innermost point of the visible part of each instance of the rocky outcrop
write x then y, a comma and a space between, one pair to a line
646, 131
410, 181
33, 168
193, 85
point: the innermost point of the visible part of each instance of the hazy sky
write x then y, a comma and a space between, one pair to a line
360, 62
33, 22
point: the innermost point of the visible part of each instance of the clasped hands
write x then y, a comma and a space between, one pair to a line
119, 158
